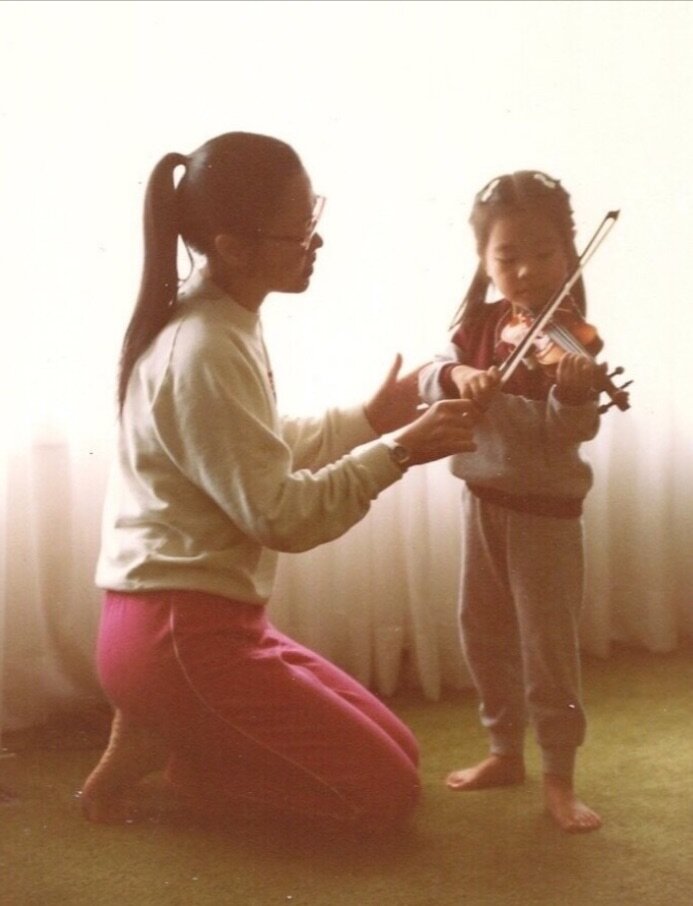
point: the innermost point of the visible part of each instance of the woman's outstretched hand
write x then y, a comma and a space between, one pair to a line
444, 429
394, 403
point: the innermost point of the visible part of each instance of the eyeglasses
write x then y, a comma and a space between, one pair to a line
487, 193
305, 240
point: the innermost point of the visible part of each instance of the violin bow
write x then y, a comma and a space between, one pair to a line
520, 351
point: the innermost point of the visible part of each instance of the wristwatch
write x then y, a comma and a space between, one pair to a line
400, 455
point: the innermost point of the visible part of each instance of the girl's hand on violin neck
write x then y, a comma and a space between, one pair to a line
576, 378
477, 386
444, 429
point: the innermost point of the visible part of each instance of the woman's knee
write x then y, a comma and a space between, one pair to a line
387, 802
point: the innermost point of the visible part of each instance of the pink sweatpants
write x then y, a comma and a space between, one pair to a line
251, 715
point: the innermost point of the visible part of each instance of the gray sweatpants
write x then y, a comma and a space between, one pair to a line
521, 593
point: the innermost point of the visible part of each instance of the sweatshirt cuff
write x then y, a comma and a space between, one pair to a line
434, 382
589, 403
580, 420
381, 467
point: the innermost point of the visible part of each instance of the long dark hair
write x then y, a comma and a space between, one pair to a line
524, 190
231, 183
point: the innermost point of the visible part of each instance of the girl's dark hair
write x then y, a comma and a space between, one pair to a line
231, 184
524, 190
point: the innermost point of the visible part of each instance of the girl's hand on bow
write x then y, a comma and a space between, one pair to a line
394, 403
477, 386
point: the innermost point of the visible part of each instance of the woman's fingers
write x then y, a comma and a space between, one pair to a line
444, 429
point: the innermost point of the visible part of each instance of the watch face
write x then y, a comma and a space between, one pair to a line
400, 454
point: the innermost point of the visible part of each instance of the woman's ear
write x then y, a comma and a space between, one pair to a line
231, 250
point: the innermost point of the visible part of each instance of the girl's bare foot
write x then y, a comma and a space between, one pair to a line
569, 812
496, 770
132, 753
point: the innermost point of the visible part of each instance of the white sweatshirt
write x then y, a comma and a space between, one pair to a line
208, 482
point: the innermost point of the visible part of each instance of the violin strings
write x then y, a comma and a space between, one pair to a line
567, 340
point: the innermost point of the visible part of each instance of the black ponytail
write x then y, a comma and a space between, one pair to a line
159, 284
474, 298
232, 183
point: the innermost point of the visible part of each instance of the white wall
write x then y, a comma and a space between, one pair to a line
401, 111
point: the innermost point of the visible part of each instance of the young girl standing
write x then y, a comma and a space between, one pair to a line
522, 573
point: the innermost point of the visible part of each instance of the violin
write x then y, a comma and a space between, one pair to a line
567, 331
558, 328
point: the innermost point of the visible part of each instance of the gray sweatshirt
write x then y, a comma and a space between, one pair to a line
525, 447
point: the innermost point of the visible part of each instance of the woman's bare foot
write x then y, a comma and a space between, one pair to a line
496, 770
569, 812
132, 753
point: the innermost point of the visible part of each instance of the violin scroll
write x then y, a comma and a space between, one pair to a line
618, 395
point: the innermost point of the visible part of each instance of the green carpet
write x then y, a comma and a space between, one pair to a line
479, 848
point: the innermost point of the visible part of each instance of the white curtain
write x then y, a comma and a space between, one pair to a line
401, 112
